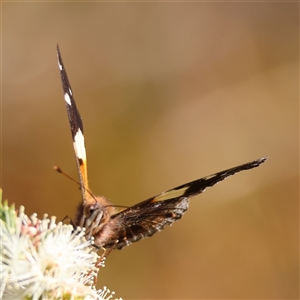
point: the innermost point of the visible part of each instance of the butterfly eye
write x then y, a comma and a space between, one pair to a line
93, 208
89, 210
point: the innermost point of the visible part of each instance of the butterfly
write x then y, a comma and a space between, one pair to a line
113, 228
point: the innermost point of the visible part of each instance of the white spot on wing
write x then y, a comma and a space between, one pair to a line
67, 98
79, 145
70, 91
60, 66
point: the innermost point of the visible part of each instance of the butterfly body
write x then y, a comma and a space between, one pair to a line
114, 228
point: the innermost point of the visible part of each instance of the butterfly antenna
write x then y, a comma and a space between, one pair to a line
117, 206
59, 170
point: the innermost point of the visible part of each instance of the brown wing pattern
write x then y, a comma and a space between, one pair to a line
147, 217
144, 219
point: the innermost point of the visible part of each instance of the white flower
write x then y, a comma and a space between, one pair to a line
44, 260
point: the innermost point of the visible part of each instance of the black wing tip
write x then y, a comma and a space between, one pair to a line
59, 56
58, 50
248, 166
198, 186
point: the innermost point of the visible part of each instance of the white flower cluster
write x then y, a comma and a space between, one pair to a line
40, 259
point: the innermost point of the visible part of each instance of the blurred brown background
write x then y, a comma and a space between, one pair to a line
168, 92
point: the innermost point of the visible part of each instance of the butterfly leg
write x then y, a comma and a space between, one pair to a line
91, 223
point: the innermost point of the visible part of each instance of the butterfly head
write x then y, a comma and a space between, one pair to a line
94, 214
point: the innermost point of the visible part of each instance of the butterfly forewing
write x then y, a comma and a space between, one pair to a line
98, 215
76, 126
147, 217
